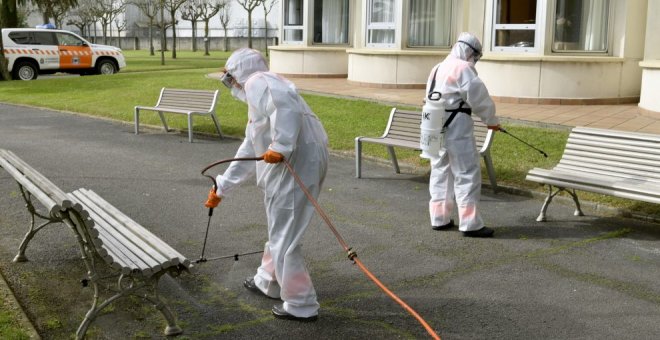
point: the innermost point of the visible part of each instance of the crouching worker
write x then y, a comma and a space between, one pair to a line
280, 126
456, 168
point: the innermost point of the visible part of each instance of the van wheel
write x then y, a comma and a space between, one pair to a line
24, 70
106, 67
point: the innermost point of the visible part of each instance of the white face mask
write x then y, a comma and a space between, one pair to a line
239, 94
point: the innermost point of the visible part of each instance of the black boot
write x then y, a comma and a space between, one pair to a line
483, 232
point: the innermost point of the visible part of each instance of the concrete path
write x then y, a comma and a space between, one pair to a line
591, 277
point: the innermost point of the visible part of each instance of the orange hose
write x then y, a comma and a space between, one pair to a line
353, 256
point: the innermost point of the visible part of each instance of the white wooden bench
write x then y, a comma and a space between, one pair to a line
610, 162
137, 257
403, 129
188, 102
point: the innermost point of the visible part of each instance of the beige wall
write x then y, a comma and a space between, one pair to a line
649, 98
309, 61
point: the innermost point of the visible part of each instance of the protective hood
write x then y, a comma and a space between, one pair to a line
245, 62
467, 48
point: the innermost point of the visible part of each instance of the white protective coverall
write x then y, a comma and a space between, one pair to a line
456, 171
279, 119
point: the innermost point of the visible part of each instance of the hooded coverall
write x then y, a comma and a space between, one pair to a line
280, 120
456, 171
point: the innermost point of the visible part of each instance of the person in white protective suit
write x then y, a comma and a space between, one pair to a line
456, 168
281, 126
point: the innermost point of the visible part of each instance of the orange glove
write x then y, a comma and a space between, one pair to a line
272, 156
494, 127
213, 199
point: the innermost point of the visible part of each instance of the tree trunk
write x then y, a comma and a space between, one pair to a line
250, 29
173, 16
194, 35
4, 73
225, 41
151, 36
206, 37
8, 13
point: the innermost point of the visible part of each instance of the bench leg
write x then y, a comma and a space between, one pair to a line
217, 124
358, 157
491, 171
395, 163
190, 127
578, 209
172, 328
162, 119
546, 203
20, 257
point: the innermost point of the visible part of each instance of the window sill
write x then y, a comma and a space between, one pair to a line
553, 58
315, 48
650, 64
412, 52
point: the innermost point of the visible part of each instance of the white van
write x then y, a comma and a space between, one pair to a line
31, 52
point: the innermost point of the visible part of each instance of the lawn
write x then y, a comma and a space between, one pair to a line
139, 84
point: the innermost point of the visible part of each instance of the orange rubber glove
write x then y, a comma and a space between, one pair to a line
494, 127
272, 156
213, 199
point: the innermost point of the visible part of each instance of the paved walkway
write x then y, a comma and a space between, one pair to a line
626, 117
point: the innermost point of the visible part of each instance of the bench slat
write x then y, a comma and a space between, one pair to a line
133, 253
51, 206
139, 231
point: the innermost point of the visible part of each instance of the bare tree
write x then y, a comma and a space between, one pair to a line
208, 9
192, 11
55, 9
224, 21
106, 11
82, 16
249, 6
172, 6
268, 7
120, 24
150, 9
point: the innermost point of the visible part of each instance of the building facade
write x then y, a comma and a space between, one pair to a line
535, 51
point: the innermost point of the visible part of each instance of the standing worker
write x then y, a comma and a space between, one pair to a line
456, 168
280, 126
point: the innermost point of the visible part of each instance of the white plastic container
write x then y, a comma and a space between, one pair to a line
430, 136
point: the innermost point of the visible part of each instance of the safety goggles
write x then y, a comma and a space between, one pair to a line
227, 79
477, 53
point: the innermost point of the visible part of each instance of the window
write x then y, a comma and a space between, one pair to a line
68, 40
581, 25
430, 23
44, 38
515, 25
331, 21
293, 21
381, 25
21, 38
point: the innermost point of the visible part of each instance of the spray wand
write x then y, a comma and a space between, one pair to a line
522, 141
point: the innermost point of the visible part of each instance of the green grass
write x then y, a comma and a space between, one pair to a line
139, 84
9, 327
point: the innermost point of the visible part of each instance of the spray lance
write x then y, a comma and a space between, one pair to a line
352, 255
522, 141
208, 224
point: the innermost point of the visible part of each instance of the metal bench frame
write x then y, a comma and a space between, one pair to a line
181, 101
609, 162
403, 130
136, 257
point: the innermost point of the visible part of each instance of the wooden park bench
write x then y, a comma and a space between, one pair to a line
137, 257
188, 102
610, 162
403, 129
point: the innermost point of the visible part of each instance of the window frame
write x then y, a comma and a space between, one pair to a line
348, 26
608, 40
537, 27
300, 27
452, 28
375, 26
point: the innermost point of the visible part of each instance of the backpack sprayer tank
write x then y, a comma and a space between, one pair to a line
430, 137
